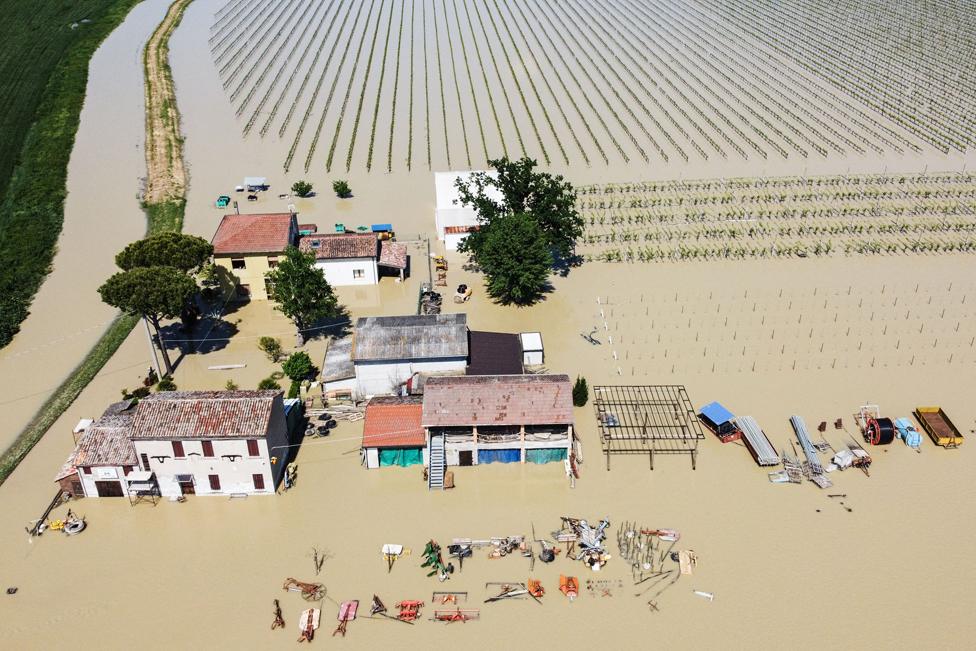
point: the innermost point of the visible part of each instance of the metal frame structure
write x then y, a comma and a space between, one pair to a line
647, 419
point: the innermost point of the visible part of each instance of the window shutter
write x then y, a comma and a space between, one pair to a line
207, 448
178, 449
252, 448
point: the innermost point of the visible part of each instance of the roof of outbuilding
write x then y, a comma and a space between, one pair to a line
172, 415
268, 233
435, 336
104, 443
340, 246
393, 254
494, 353
338, 361
393, 422
498, 400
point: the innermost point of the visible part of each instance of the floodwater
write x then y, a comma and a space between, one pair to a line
783, 561
101, 215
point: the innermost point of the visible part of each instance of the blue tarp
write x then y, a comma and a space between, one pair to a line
382, 228
499, 456
907, 432
716, 413
547, 455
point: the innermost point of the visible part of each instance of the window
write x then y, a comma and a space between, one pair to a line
315, 244
145, 461
237, 263
214, 482
87, 470
272, 262
252, 448
258, 482
178, 449
207, 448
358, 273
244, 290
269, 287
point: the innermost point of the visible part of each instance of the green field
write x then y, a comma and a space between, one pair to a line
45, 48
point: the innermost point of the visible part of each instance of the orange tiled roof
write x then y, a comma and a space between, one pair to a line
269, 233
393, 423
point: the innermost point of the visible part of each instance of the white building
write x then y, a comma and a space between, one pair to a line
388, 350
533, 354
348, 259
453, 220
212, 442
103, 456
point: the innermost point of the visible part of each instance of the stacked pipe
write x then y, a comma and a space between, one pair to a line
803, 436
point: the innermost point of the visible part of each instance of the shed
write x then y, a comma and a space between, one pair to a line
494, 353
721, 421
453, 220
252, 183
338, 370
392, 432
533, 353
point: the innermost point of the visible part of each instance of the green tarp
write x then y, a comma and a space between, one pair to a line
545, 456
402, 457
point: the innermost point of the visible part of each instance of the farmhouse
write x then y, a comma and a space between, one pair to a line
103, 456
392, 432
248, 246
386, 351
472, 420
453, 220
354, 258
213, 442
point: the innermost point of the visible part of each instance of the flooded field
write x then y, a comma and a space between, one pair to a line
101, 216
771, 337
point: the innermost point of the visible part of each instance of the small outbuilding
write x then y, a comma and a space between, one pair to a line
103, 456
453, 220
392, 432
255, 183
721, 421
533, 353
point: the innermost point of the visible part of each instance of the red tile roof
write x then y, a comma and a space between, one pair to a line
340, 246
459, 229
100, 446
173, 415
269, 233
498, 400
393, 254
393, 423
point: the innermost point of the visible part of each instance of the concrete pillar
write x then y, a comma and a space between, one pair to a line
522, 442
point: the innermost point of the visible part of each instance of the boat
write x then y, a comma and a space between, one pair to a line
308, 623
569, 586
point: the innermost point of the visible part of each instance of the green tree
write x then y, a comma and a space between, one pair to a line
548, 200
301, 188
515, 259
187, 253
581, 392
298, 366
155, 293
301, 291
270, 347
342, 189
166, 383
268, 384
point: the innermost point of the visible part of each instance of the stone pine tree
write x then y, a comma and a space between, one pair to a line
301, 291
515, 259
187, 253
154, 293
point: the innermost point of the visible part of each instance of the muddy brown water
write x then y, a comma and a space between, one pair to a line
786, 563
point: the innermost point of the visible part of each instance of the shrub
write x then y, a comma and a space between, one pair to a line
298, 366
271, 347
166, 384
342, 189
581, 392
231, 385
268, 384
294, 390
140, 392
301, 188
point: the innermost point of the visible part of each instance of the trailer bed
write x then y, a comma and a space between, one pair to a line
940, 429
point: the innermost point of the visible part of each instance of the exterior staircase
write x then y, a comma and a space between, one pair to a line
435, 472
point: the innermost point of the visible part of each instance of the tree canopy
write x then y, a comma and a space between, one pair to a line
548, 200
155, 293
301, 290
301, 188
298, 366
166, 249
515, 258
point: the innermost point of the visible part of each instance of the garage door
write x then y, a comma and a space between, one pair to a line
109, 489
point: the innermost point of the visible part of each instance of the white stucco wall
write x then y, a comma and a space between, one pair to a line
101, 473
453, 240
339, 273
380, 378
235, 476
